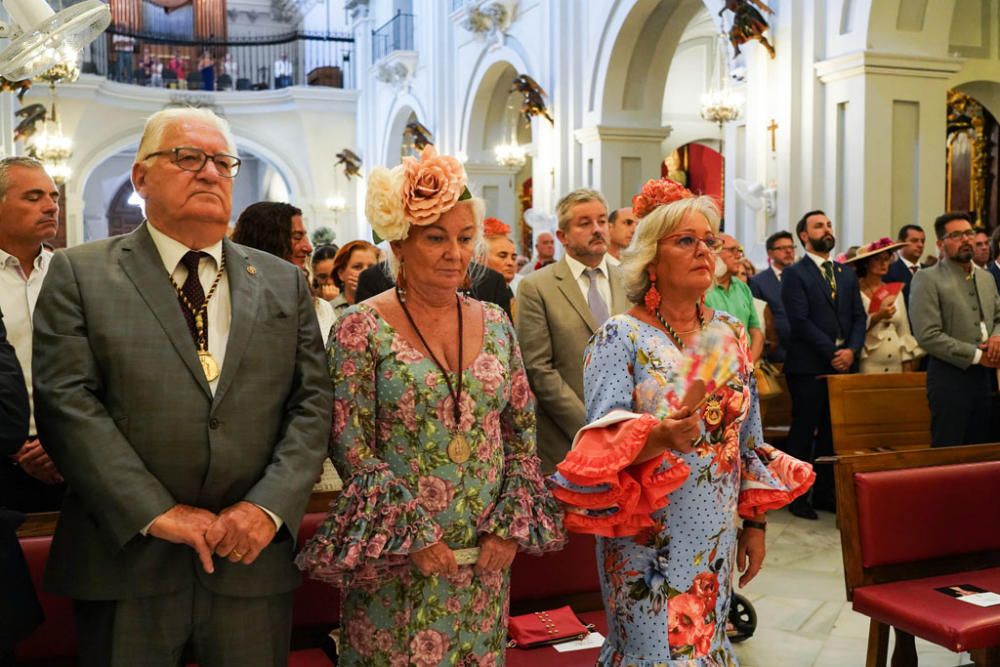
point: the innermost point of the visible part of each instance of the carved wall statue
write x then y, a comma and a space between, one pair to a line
972, 160
489, 20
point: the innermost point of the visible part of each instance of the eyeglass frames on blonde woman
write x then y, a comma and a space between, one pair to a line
688, 242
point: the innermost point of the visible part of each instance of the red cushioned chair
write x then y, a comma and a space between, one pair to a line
914, 521
54, 642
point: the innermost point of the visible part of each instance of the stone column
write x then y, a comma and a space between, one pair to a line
618, 160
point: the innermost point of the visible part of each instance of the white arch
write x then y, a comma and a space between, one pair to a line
403, 105
480, 86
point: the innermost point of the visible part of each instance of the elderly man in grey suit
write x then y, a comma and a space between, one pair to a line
181, 389
955, 310
559, 307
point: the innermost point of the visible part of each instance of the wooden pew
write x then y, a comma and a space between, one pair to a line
912, 522
872, 412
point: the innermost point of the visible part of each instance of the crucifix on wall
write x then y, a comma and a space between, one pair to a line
773, 128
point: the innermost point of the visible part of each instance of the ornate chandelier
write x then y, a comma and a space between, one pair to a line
52, 148
510, 154
720, 103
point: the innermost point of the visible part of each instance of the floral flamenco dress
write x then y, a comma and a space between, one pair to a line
393, 420
667, 528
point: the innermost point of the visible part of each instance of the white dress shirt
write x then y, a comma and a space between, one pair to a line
910, 265
18, 296
603, 284
819, 261
220, 308
220, 311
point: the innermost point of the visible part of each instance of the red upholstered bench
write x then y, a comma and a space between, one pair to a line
914, 521
316, 611
567, 577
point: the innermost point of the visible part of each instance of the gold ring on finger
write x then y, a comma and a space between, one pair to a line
238, 555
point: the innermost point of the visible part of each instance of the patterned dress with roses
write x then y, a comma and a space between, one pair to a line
393, 419
667, 528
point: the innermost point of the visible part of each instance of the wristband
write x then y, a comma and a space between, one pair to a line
759, 525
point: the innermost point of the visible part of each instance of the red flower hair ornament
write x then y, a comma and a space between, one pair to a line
656, 193
495, 227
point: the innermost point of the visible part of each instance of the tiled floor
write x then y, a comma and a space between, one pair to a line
803, 617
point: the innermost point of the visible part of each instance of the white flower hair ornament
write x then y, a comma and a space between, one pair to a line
417, 192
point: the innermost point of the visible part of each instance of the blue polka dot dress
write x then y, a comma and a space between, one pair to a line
667, 528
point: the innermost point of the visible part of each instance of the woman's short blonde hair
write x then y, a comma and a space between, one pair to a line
479, 246
661, 222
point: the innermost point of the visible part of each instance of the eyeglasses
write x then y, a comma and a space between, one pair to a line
194, 159
964, 234
735, 249
782, 248
688, 242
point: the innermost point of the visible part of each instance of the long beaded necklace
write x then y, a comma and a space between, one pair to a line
673, 333
459, 450
209, 366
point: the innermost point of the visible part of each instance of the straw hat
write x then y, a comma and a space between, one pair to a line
884, 244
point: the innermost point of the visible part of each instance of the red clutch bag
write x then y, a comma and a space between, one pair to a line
543, 628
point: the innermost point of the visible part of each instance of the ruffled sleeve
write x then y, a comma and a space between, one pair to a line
525, 509
770, 478
603, 492
375, 523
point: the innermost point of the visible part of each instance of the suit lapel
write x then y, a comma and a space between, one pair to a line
141, 262
820, 279
571, 290
619, 300
244, 294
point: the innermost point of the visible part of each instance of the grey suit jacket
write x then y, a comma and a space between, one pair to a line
554, 324
944, 312
127, 415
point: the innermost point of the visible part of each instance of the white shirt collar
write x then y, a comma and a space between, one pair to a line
908, 264
41, 259
577, 268
817, 260
171, 250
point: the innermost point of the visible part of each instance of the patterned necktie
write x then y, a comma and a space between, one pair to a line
598, 308
828, 274
913, 269
194, 293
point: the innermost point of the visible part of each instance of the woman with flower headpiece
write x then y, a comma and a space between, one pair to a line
434, 435
663, 471
501, 256
889, 343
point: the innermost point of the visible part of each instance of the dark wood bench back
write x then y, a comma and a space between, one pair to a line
885, 411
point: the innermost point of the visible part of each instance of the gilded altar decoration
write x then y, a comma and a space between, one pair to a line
967, 155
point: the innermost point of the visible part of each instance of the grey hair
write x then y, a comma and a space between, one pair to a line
157, 124
478, 248
15, 161
661, 222
565, 206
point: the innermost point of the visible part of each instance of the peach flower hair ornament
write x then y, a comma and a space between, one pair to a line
417, 192
658, 192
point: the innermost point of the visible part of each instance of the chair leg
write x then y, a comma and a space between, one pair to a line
878, 644
904, 654
986, 657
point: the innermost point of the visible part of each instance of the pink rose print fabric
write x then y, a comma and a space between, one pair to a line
393, 420
667, 565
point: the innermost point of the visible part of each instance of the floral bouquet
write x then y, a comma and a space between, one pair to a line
416, 192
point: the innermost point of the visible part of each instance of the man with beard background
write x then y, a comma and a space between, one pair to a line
827, 320
956, 318
559, 307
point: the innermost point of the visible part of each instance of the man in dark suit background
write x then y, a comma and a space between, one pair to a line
908, 261
827, 318
182, 389
19, 610
994, 265
766, 285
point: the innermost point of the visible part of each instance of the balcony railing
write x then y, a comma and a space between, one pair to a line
247, 63
395, 35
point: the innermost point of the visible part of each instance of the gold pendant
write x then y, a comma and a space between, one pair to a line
459, 450
208, 365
